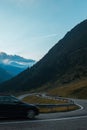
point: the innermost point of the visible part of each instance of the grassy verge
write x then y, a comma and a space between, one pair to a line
38, 100
76, 89
58, 109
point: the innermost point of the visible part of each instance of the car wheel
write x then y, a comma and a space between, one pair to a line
31, 114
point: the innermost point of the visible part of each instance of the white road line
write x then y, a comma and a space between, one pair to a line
45, 120
81, 107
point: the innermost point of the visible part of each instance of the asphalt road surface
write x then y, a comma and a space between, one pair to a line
75, 120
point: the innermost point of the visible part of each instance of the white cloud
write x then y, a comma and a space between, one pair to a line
45, 36
50, 35
6, 61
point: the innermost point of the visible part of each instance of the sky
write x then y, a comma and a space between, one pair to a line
30, 28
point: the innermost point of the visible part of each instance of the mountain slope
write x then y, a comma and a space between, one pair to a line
4, 75
64, 63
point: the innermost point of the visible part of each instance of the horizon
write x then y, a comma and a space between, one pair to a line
30, 28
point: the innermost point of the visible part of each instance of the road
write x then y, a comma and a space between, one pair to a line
75, 120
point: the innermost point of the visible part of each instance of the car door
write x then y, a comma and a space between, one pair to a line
2, 110
4, 106
16, 107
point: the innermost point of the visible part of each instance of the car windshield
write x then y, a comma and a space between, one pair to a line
8, 99
14, 99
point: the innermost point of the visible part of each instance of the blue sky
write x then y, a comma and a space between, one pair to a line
29, 28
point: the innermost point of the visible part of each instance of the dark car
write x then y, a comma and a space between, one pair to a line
10, 106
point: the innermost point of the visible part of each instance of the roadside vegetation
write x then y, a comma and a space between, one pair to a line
33, 99
40, 100
59, 109
77, 89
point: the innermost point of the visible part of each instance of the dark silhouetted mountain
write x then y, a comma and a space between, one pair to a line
14, 64
64, 63
4, 75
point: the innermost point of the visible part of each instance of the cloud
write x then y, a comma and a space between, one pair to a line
51, 35
5, 61
45, 36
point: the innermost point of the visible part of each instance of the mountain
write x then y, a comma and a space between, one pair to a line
65, 63
4, 75
14, 64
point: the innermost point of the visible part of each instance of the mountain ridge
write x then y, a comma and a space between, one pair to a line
64, 63
4, 75
14, 64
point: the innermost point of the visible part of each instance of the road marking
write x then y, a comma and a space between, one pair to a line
81, 107
45, 120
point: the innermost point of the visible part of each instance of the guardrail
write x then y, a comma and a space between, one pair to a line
54, 105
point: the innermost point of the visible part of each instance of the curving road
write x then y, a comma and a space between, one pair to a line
75, 120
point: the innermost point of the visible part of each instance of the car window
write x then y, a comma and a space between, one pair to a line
13, 99
8, 99
4, 99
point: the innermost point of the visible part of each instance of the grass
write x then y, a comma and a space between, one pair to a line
58, 109
38, 100
76, 89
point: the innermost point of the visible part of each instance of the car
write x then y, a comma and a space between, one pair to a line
10, 106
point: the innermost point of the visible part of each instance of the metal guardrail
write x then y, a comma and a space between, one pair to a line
54, 105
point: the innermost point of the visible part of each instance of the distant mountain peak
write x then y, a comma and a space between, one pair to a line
2, 53
15, 63
15, 57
